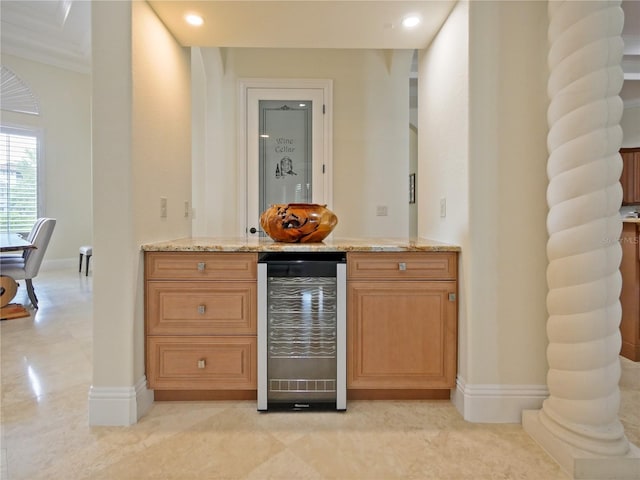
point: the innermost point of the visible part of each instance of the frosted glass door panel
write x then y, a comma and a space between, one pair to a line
285, 152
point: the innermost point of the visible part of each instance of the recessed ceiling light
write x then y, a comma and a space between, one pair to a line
194, 19
411, 21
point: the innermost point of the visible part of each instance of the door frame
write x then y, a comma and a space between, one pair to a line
245, 86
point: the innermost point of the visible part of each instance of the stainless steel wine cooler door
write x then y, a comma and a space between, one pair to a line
302, 331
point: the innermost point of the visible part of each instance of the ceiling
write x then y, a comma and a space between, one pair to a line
58, 31
304, 24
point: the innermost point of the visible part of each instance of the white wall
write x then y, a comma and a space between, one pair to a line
507, 202
141, 151
161, 150
214, 168
630, 124
371, 139
495, 184
161, 107
65, 122
443, 149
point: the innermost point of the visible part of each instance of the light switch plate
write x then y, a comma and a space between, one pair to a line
163, 207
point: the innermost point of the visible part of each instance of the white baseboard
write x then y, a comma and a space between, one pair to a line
144, 398
494, 403
119, 406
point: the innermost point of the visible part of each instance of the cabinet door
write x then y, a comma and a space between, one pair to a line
630, 293
401, 335
630, 178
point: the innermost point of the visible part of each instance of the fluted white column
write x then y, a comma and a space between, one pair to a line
580, 418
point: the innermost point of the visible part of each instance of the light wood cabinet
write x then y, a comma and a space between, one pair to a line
630, 178
401, 324
200, 323
630, 295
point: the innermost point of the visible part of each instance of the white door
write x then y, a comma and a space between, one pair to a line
286, 146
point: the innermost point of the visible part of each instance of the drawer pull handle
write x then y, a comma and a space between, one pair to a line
402, 266
202, 363
202, 309
201, 266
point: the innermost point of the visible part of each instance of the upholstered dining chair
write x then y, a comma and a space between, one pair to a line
27, 267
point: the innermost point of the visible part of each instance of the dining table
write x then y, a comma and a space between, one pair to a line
13, 243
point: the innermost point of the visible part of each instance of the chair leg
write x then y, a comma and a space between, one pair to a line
31, 292
87, 273
80, 266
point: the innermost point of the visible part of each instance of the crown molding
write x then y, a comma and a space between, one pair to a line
56, 33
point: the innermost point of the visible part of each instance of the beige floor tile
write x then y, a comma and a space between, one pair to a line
46, 374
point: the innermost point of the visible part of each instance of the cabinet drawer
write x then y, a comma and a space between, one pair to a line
201, 308
402, 266
200, 266
201, 363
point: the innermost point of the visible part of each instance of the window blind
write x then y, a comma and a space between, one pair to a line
18, 181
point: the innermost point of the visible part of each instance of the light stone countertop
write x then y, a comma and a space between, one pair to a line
631, 220
239, 244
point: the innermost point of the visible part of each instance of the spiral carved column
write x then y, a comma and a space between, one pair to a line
584, 197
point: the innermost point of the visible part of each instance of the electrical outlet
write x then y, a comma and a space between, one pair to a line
443, 207
186, 209
163, 207
381, 210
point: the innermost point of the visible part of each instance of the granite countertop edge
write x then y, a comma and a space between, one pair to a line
219, 244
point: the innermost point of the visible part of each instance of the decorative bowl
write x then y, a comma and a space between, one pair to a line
298, 222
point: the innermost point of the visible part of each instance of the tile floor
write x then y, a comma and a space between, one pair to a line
46, 374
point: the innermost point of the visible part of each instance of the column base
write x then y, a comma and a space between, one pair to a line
578, 463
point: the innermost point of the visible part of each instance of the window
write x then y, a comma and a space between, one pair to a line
19, 152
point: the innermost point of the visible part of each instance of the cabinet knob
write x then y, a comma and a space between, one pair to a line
202, 309
201, 266
402, 266
202, 363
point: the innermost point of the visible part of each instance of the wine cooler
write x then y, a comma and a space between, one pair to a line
301, 331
